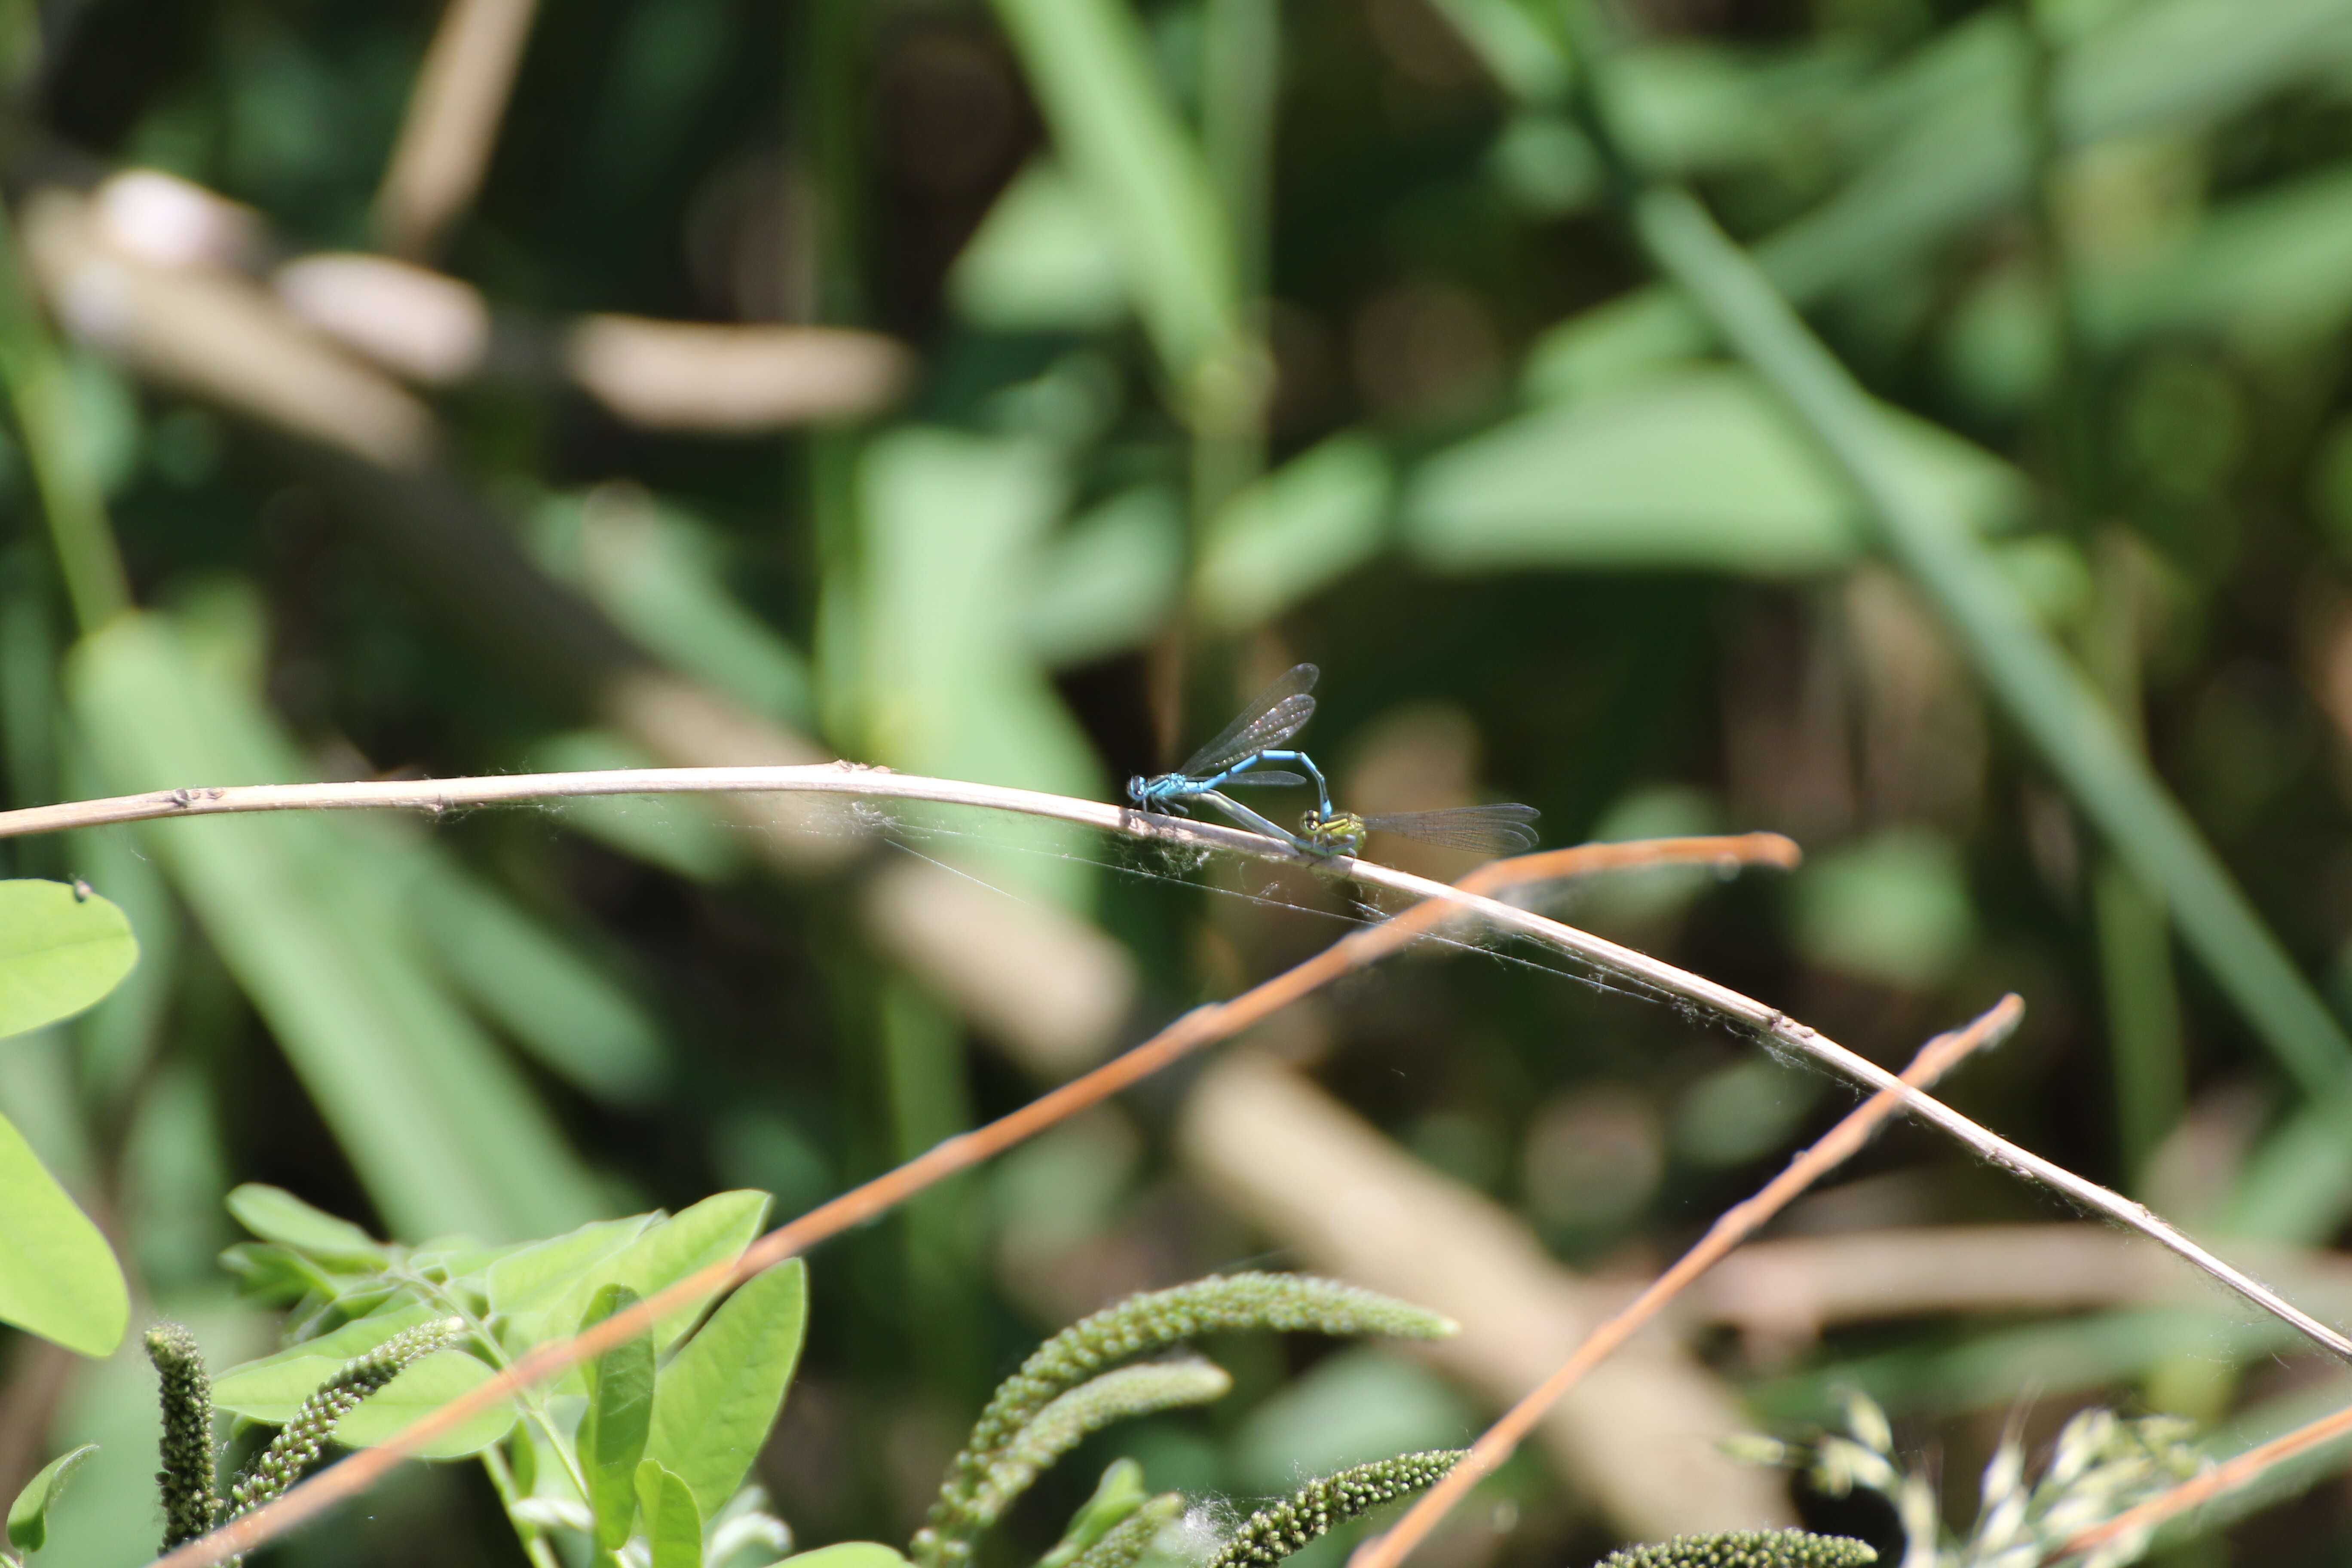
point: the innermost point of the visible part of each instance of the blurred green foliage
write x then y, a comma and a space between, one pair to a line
1246, 333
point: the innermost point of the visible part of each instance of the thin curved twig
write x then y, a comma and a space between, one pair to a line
1772, 1027
1735, 1224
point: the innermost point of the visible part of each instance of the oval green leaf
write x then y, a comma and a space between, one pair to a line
62, 948
276, 1215
848, 1554
58, 1277
715, 1401
673, 1524
29, 1515
612, 1437
271, 1391
259, 1386
712, 1231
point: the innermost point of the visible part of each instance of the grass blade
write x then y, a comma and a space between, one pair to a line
2044, 694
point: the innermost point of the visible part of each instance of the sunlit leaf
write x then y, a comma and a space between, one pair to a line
715, 1231
1700, 469
445, 1132
715, 1401
1108, 580
1894, 908
849, 1555
276, 1215
58, 1277
1043, 260
673, 1522
271, 1391
534, 1274
611, 1438
61, 949
1306, 525
29, 1515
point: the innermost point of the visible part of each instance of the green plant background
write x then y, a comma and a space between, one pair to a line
1555, 529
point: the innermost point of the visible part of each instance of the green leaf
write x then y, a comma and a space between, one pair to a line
949, 684
2272, 270
1893, 907
554, 1000
535, 1275
1115, 130
272, 1390
673, 1522
446, 1133
60, 952
848, 1554
1042, 260
1942, 144
612, 1436
274, 1274
715, 1401
1363, 1403
2045, 694
715, 1231
1699, 468
1306, 525
276, 1215
1110, 577
58, 1277
265, 1385
661, 572
1119, 1494
29, 1515
423, 1386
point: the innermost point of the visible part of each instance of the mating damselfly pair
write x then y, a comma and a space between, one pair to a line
1237, 756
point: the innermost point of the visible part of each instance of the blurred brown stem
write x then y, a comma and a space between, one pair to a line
452, 124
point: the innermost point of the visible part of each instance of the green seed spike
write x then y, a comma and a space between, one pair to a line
1746, 1549
1138, 1326
1133, 1535
1115, 1395
300, 1441
186, 1478
1274, 1532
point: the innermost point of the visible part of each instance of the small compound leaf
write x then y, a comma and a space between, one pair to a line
276, 1215
58, 1277
62, 948
715, 1401
29, 1515
612, 1437
532, 1276
715, 1231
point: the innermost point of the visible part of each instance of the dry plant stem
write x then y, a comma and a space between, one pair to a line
453, 118
2198, 1490
1777, 1030
1735, 1223
1200, 1027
